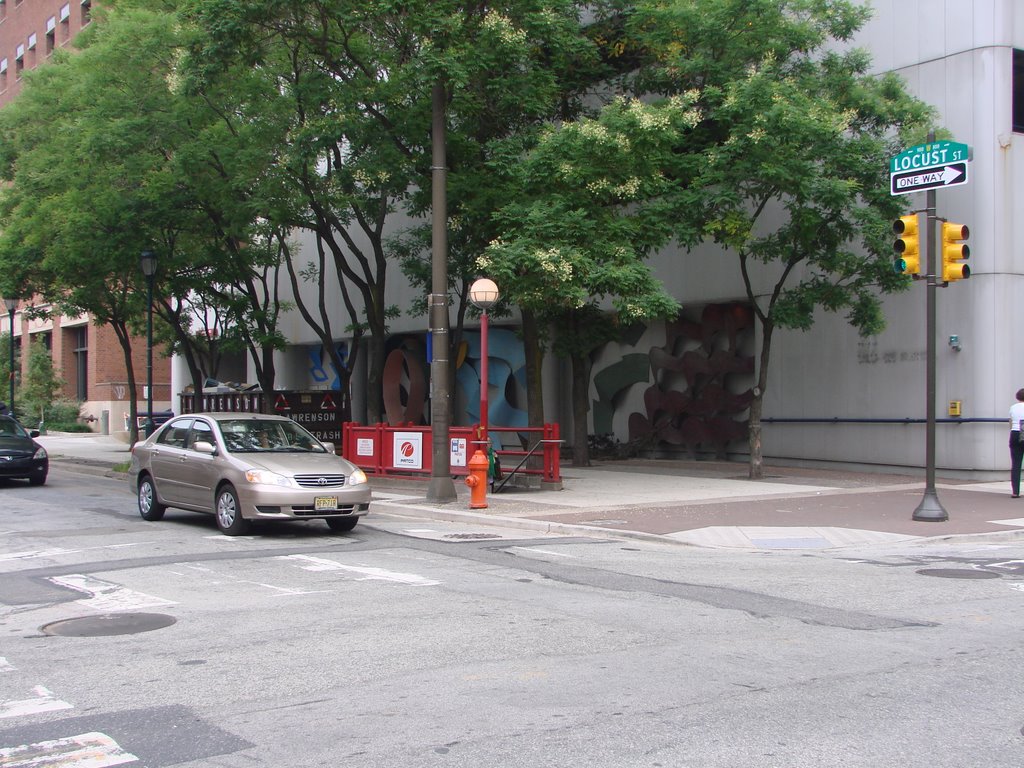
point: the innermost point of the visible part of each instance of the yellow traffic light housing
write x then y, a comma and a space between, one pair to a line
955, 252
907, 245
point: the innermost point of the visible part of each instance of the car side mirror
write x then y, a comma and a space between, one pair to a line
202, 446
328, 445
34, 433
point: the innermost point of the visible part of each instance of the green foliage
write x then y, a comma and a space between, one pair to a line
64, 416
41, 385
5, 367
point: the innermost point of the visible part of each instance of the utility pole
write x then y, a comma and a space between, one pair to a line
441, 487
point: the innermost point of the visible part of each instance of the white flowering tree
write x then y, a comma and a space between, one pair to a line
578, 241
770, 144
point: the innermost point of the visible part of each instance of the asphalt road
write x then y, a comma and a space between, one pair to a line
415, 642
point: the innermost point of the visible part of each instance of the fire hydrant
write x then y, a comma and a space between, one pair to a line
477, 480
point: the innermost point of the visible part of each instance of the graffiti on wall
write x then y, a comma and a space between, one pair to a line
696, 386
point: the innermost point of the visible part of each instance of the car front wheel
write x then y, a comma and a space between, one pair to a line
229, 513
341, 524
149, 505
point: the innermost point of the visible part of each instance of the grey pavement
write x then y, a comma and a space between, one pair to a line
701, 503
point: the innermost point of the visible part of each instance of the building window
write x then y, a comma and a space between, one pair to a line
81, 352
65, 23
19, 61
51, 34
1018, 91
86, 11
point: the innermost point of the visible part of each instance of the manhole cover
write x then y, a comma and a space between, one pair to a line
108, 624
958, 573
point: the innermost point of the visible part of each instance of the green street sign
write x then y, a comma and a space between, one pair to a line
930, 156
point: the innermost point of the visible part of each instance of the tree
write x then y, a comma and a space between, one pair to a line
354, 82
109, 156
576, 237
781, 160
41, 384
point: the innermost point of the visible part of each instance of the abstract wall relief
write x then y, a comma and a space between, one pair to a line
702, 379
322, 370
506, 379
407, 375
405, 380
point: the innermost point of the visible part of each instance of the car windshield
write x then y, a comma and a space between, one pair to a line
11, 428
262, 435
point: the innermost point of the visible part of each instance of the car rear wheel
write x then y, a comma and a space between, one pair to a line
341, 524
229, 513
149, 505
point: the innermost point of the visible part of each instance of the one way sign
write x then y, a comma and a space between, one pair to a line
950, 175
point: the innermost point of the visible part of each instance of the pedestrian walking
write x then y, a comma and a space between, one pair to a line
1016, 442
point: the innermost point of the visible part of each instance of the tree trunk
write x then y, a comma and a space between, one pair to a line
375, 377
580, 408
124, 340
534, 385
756, 459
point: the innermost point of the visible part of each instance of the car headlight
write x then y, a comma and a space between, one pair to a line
358, 477
40, 453
265, 477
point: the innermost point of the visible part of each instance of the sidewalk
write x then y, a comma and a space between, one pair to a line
703, 503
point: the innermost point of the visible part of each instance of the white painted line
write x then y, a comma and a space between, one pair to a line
43, 702
323, 564
545, 552
5, 665
106, 595
1006, 564
31, 555
87, 750
1016, 522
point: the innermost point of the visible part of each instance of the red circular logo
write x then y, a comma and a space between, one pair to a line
406, 449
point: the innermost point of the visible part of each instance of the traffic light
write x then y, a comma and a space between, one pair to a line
907, 245
955, 252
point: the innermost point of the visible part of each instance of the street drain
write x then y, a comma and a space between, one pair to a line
472, 536
108, 624
958, 573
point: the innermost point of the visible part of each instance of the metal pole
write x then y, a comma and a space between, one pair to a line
930, 509
484, 329
441, 487
149, 355
10, 400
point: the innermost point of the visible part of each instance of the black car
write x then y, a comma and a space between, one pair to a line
20, 455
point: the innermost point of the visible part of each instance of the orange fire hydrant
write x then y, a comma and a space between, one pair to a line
477, 480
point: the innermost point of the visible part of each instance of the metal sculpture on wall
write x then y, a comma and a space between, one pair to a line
700, 388
405, 380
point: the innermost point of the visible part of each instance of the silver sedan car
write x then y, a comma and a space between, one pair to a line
242, 467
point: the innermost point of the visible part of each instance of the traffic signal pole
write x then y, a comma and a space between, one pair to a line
930, 509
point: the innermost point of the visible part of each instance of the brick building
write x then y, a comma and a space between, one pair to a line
88, 357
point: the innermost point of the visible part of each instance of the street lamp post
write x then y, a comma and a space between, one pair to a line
147, 262
11, 304
483, 294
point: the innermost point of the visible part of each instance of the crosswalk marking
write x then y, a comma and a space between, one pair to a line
323, 564
87, 750
44, 701
106, 595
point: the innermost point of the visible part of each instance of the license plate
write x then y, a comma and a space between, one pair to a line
325, 502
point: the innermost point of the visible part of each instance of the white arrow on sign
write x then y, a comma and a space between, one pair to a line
949, 173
